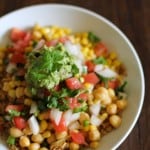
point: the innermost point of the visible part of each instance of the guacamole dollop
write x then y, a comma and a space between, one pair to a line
49, 66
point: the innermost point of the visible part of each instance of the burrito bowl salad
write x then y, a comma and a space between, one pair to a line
59, 89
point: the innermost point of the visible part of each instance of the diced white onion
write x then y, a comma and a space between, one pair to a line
10, 67
95, 108
56, 115
74, 125
107, 73
34, 125
75, 50
99, 67
95, 120
75, 116
67, 116
39, 45
33, 108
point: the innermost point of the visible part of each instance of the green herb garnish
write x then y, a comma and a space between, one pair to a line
11, 140
100, 60
93, 38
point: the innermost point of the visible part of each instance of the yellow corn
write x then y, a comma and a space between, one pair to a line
46, 134
28, 102
112, 55
43, 125
37, 35
19, 92
12, 93
93, 127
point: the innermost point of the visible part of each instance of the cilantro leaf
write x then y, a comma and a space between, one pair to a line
93, 38
100, 60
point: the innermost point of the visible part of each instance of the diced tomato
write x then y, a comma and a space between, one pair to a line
100, 49
73, 83
18, 58
61, 126
90, 65
73, 102
83, 96
91, 78
64, 39
77, 137
17, 34
113, 84
14, 107
19, 122
51, 43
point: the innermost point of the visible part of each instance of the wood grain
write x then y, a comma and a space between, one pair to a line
133, 18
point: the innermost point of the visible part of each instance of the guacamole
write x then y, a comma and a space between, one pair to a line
49, 66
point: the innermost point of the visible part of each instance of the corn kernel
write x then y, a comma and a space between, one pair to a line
94, 144
27, 92
19, 92
28, 49
37, 27
28, 102
86, 128
6, 87
12, 93
46, 134
43, 125
93, 127
84, 41
112, 56
37, 35
12, 84
104, 116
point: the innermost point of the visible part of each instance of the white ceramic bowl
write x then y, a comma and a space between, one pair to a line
80, 19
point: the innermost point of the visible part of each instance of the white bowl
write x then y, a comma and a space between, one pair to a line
80, 19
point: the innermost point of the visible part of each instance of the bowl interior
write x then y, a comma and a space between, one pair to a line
79, 19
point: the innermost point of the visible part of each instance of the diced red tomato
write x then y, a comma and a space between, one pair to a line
113, 84
73, 102
83, 96
18, 58
61, 126
19, 122
14, 107
17, 34
64, 39
91, 78
90, 66
100, 49
77, 137
73, 83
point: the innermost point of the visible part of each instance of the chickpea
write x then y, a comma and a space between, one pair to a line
15, 132
101, 94
111, 109
74, 146
94, 135
121, 104
34, 146
84, 116
115, 121
37, 138
61, 135
51, 139
24, 141
43, 148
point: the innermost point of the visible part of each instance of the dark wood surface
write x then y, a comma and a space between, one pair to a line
133, 18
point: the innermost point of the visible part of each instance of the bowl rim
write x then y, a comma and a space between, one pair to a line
114, 27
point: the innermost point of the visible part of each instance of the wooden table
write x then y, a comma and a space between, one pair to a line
133, 18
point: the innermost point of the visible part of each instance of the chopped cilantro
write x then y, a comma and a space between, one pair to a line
14, 113
121, 88
86, 123
11, 140
100, 60
93, 38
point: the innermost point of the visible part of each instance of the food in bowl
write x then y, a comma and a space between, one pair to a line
59, 89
